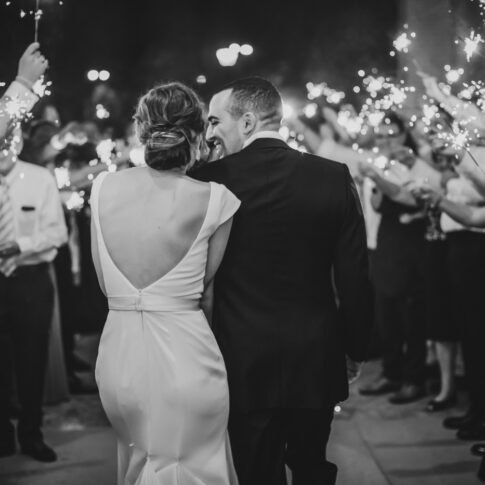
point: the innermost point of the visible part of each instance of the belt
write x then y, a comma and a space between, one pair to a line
152, 303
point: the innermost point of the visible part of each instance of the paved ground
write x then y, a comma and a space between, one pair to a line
372, 442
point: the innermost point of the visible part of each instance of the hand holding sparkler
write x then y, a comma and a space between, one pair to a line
423, 191
32, 65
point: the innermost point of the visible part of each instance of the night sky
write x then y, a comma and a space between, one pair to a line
142, 42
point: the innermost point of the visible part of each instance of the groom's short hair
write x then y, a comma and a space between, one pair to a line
256, 95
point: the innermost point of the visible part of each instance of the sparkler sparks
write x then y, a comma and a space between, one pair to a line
101, 112
471, 44
42, 88
458, 138
62, 177
374, 84
310, 110
104, 149
75, 201
453, 75
403, 42
323, 90
350, 121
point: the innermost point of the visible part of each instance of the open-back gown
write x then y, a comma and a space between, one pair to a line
160, 373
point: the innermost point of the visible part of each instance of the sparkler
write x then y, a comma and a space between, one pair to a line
403, 42
471, 44
37, 16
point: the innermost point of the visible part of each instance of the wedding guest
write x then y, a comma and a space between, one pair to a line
31, 228
31, 66
462, 209
442, 325
38, 148
467, 260
83, 307
397, 269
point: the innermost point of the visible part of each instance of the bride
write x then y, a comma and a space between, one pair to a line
158, 238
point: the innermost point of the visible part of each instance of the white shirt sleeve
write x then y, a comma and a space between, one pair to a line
23, 96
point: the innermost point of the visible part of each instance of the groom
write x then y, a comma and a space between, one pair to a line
283, 336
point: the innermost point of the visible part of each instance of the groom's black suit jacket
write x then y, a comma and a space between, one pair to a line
282, 335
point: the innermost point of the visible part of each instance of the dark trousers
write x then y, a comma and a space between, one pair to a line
26, 305
467, 263
401, 321
264, 441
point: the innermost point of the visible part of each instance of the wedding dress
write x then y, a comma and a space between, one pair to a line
160, 373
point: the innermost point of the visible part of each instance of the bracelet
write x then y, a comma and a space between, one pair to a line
25, 82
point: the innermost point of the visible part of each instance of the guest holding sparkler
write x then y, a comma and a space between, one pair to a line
398, 275
463, 215
31, 229
19, 98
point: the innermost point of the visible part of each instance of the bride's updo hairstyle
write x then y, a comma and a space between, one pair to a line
168, 120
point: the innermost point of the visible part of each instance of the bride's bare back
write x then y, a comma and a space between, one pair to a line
149, 221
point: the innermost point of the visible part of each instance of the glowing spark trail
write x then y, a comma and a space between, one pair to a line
403, 42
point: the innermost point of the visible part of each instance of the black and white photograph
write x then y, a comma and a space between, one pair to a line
242, 243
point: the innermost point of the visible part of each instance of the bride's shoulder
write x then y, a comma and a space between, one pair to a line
198, 185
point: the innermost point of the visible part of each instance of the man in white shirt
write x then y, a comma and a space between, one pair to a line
31, 228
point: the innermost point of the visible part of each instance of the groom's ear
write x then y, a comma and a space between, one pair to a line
248, 122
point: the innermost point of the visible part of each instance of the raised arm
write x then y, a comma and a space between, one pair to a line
476, 174
31, 66
394, 191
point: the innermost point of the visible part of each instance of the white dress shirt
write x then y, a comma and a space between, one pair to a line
22, 94
40, 227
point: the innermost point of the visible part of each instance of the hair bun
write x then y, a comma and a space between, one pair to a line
168, 121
